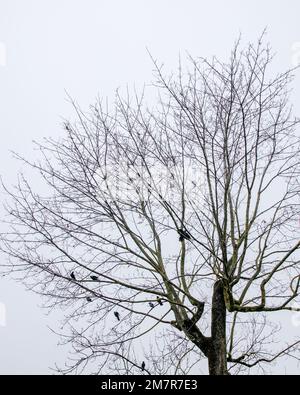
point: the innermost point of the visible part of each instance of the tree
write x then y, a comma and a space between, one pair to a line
168, 234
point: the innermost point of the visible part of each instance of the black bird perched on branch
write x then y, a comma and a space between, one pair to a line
159, 301
151, 305
184, 235
94, 278
88, 299
143, 366
73, 276
117, 315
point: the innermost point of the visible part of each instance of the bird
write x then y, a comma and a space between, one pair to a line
117, 315
143, 366
151, 305
88, 299
159, 301
94, 278
73, 276
183, 235
67, 127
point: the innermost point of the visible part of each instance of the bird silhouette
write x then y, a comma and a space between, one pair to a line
117, 315
184, 235
88, 299
151, 305
159, 301
143, 366
94, 278
73, 276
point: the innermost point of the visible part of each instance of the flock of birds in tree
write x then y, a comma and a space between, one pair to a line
183, 235
117, 315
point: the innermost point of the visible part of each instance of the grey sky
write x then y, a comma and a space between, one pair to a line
88, 48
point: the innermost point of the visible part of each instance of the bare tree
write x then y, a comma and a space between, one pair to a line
170, 233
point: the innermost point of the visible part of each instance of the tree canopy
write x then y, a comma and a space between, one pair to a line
169, 234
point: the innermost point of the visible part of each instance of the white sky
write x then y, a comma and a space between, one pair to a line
91, 47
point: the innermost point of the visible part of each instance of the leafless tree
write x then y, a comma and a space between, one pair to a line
169, 233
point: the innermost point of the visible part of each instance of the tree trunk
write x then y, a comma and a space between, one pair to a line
217, 356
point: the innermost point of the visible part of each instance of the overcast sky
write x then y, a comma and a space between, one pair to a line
91, 47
